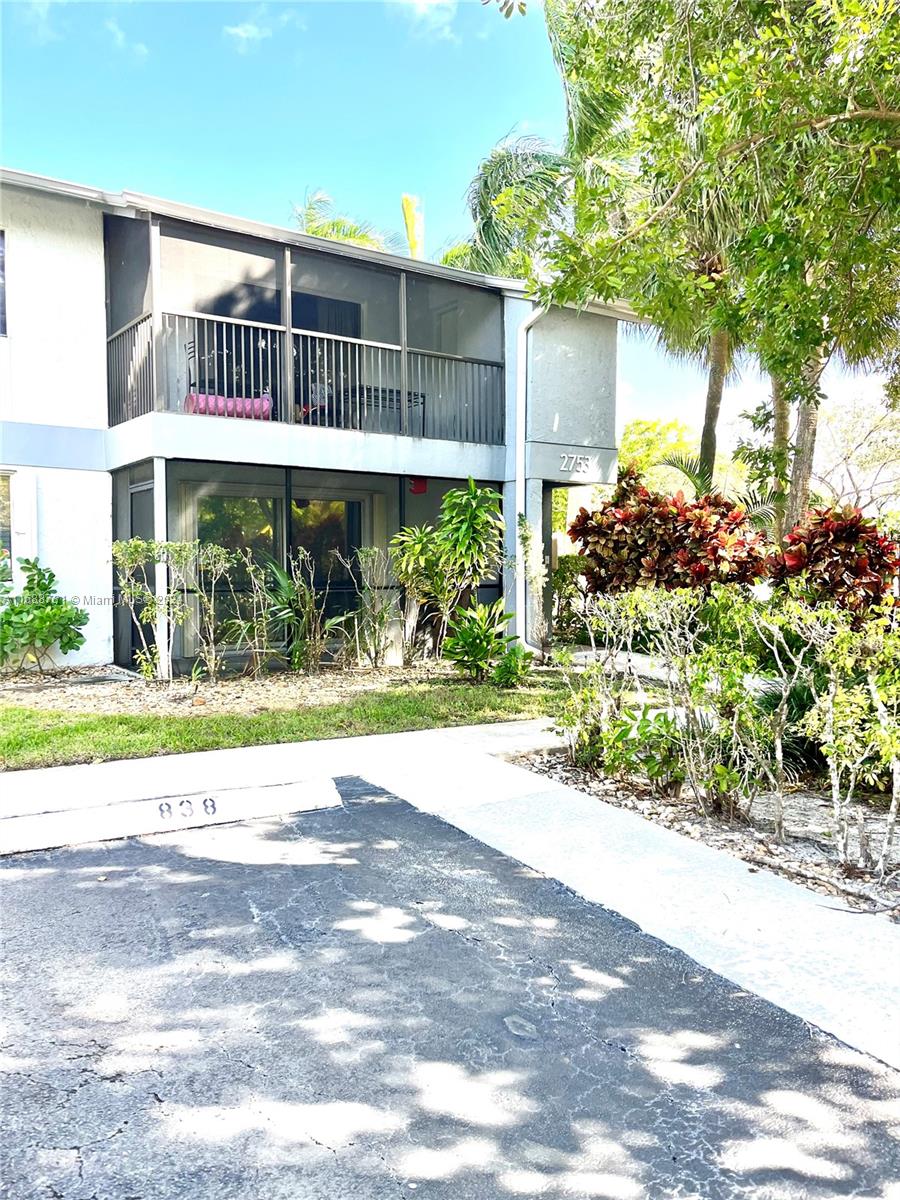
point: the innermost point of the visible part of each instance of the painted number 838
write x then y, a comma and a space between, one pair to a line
184, 809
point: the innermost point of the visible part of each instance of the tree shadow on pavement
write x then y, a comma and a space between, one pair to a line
365, 1002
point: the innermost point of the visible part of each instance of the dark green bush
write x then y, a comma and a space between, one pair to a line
36, 620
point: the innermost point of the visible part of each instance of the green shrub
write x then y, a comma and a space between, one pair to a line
645, 744
569, 614
297, 611
439, 566
513, 668
477, 639
38, 619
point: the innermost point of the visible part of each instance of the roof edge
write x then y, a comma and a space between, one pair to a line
127, 201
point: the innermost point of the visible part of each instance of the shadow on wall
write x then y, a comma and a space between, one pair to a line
365, 1000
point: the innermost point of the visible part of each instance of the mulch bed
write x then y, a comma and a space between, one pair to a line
95, 690
805, 857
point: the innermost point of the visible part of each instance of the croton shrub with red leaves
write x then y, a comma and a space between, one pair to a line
642, 539
639, 538
841, 558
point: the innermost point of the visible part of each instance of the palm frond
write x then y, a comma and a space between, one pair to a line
761, 505
317, 217
697, 475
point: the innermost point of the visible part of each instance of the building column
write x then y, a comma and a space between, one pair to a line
519, 593
160, 534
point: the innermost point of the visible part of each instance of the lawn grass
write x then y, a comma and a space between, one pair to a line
39, 738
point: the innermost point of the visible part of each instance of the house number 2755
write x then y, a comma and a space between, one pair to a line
575, 462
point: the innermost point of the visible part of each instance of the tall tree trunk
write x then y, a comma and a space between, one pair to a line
781, 412
805, 443
718, 355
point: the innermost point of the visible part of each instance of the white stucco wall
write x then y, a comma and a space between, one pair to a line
65, 519
572, 377
53, 359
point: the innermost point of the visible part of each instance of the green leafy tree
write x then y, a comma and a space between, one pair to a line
519, 183
734, 174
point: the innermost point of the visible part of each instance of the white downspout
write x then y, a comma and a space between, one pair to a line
521, 415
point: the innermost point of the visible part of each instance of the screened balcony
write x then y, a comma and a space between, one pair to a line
350, 346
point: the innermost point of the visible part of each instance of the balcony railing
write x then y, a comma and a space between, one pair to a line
129, 371
346, 383
218, 366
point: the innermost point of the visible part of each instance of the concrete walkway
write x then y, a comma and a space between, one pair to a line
833, 967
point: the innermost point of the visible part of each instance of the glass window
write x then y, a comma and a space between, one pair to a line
326, 528
2, 283
5, 517
241, 522
330, 295
452, 318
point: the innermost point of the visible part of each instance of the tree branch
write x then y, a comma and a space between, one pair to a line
808, 124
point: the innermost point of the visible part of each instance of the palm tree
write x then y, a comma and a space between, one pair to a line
519, 184
318, 218
523, 188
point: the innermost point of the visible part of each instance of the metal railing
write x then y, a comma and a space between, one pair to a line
460, 399
129, 370
217, 366
346, 383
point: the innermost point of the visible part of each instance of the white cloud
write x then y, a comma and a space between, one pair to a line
247, 35
38, 16
431, 18
121, 41
290, 17
261, 25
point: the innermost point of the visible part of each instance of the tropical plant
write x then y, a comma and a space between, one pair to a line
369, 630
477, 639
760, 504
644, 743
640, 539
514, 667
37, 620
442, 566
840, 557
518, 183
470, 530
298, 609
318, 217
415, 559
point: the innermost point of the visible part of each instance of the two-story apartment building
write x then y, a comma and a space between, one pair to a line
174, 373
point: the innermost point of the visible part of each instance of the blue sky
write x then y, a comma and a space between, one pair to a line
244, 107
